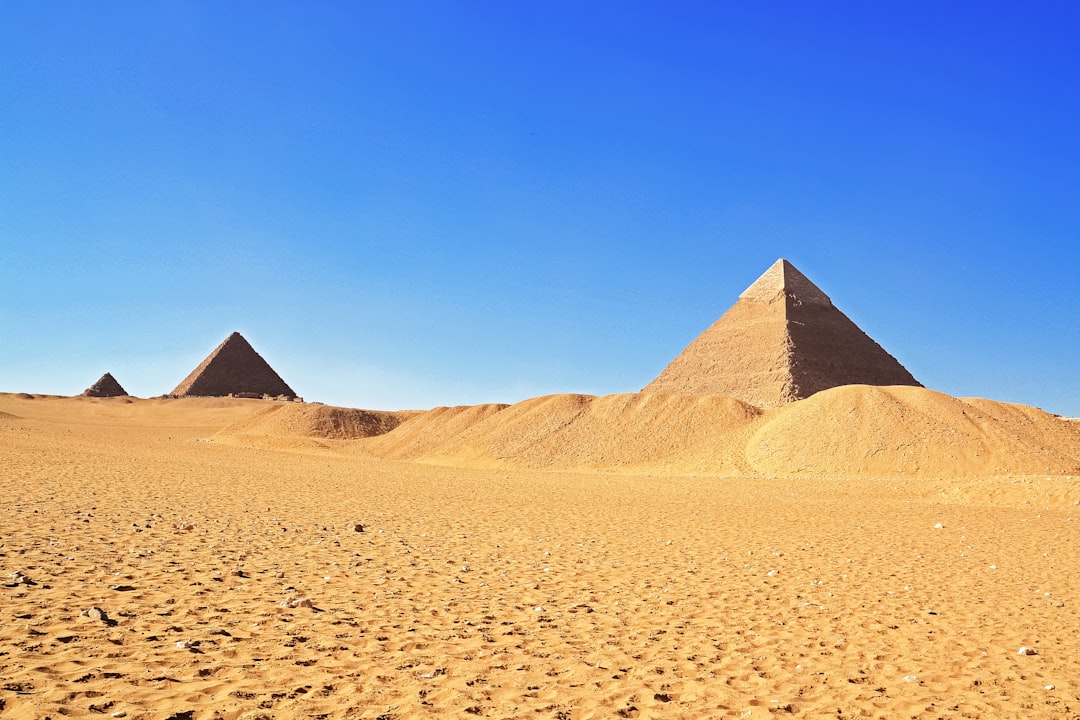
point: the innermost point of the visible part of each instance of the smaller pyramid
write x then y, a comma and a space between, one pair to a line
233, 368
105, 387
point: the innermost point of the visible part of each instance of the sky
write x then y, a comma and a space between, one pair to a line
412, 204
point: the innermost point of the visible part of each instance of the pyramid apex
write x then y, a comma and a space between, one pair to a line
781, 280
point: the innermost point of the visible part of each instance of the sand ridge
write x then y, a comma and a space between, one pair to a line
861, 430
850, 430
279, 423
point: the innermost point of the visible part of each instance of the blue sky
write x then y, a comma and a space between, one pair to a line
411, 204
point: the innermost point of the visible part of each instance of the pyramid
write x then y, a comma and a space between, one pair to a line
105, 387
234, 368
781, 342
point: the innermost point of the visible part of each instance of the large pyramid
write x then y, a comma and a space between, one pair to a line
781, 342
234, 368
105, 387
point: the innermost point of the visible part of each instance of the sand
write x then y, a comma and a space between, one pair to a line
567, 557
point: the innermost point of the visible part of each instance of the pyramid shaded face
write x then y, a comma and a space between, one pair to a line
782, 341
105, 387
234, 368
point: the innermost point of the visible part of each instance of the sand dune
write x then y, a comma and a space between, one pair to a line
851, 430
315, 421
862, 430
583, 431
503, 587
425, 432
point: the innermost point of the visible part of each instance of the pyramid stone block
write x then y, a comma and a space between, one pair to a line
782, 341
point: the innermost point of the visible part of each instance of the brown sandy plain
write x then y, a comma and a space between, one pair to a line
866, 552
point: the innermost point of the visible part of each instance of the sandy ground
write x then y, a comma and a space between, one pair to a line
509, 592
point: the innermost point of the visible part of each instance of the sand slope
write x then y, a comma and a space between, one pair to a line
278, 423
851, 430
424, 433
862, 430
583, 431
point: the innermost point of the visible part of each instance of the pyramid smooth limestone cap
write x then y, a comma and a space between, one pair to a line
784, 279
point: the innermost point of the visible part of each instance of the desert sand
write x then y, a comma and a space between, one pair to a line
866, 552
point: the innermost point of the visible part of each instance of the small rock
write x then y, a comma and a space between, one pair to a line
1024, 650
938, 526
296, 603
95, 613
357, 527
1049, 687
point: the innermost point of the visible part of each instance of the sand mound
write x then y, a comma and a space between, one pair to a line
855, 430
423, 433
7, 416
580, 431
862, 430
283, 420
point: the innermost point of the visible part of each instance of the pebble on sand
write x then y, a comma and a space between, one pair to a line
95, 613
18, 578
1024, 650
297, 603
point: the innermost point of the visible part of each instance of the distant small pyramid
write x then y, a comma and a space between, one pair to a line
234, 368
105, 387
781, 342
